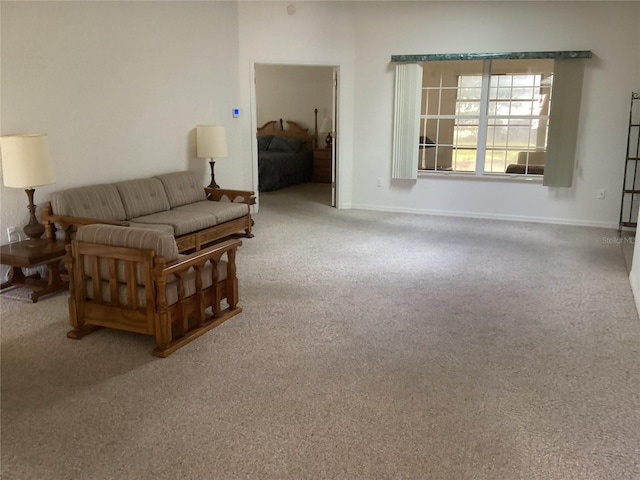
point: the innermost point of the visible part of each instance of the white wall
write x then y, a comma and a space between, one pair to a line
609, 29
119, 88
362, 36
293, 93
319, 33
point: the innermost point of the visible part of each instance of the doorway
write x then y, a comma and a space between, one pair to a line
306, 95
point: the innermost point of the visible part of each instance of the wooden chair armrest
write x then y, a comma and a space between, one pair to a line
217, 194
197, 258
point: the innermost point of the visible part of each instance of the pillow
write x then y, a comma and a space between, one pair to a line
264, 141
286, 145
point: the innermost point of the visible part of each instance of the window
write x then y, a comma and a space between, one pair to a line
488, 114
485, 117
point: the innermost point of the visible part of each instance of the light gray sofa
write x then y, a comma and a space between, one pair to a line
176, 203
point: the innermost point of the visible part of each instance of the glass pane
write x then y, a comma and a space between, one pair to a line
468, 108
426, 157
503, 93
502, 108
451, 88
466, 136
519, 137
497, 136
512, 156
430, 101
523, 80
516, 67
524, 93
445, 130
523, 108
443, 158
464, 160
468, 121
469, 81
428, 130
466, 93
495, 161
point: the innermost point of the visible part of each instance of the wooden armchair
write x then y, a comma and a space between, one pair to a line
133, 279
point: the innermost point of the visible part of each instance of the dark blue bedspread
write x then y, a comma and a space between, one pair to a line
280, 169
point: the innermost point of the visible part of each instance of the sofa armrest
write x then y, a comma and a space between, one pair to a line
67, 222
197, 258
80, 221
227, 195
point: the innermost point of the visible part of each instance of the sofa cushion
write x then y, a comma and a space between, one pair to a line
182, 188
221, 211
162, 243
143, 196
96, 201
181, 223
153, 226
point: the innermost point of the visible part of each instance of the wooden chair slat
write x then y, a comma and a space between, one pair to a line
96, 279
132, 291
113, 282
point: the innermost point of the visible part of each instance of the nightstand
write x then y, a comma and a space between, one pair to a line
322, 165
29, 254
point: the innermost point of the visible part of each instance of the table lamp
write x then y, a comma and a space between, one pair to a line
26, 163
327, 126
211, 143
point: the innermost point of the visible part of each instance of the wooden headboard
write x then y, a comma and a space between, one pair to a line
294, 130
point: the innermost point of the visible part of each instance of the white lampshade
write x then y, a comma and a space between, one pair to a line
327, 125
211, 141
26, 161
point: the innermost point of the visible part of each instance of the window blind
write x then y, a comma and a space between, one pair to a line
406, 123
563, 123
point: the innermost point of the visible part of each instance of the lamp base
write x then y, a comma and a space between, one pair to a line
33, 229
213, 183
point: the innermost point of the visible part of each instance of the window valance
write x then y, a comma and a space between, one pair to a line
436, 57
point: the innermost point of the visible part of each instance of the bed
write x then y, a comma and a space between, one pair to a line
285, 157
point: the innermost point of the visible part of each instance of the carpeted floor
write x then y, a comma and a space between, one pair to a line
371, 346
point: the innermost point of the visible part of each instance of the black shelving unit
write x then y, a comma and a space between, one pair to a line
631, 181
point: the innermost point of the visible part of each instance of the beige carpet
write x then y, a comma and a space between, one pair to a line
371, 346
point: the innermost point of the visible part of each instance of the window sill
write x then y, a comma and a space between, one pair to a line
493, 177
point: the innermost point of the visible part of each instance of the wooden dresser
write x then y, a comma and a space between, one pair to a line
322, 165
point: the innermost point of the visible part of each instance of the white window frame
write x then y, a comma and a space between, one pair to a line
485, 120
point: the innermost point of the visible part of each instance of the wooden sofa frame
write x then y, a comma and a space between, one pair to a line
173, 326
194, 241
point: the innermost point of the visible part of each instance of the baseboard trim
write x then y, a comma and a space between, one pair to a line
487, 216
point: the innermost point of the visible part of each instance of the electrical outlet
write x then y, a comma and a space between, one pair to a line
601, 194
13, 234
379, 181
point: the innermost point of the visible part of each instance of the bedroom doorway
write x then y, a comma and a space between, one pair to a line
306, 96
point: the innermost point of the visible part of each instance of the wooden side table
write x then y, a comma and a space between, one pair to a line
33, 253
322, 165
